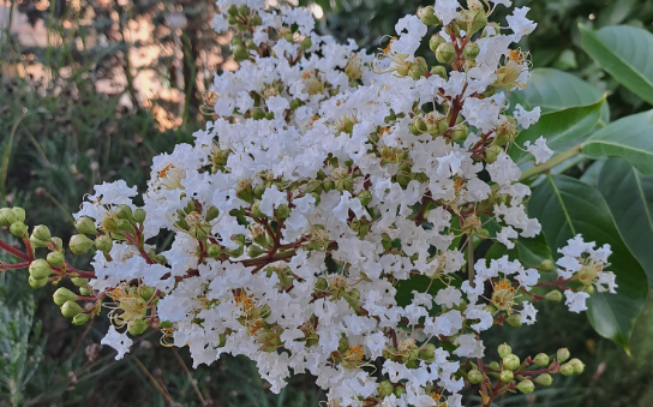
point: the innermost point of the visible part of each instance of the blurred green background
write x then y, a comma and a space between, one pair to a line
91, 90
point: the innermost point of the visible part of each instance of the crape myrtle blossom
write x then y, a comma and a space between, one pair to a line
325, 220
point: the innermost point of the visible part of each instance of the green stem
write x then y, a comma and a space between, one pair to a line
470, 259
547, 166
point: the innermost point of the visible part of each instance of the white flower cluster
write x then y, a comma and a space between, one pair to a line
332, 184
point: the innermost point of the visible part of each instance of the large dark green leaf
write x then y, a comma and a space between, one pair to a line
629, 195
553, 90
625, 52
566, 206
630, 138
560, 128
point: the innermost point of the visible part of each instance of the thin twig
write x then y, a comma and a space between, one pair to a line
190, 376
156, 385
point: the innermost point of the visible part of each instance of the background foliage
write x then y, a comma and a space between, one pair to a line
60, 136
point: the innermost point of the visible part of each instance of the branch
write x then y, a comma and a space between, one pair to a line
547, 166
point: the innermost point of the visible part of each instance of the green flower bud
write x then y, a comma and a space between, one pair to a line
70, 309
256, 20
589, 289
492, 153
85, 225
553, 296
243, 11
474, 376
578, 366
435, 42
547, 265
84, 291
385, 388
232, 10
109, 224
343, 344
125, 225
57, 243
542, 359
7, 217
440, 70
471, 51
504, 350
511, 362
37, 243
544, 380
104, 243
212, 213
245, 191
365, 197
418, 126
418, 68
55, 259
562, 355
18, 229
137, 327
79, 281
460, 133
494, 366
139, 215
428, 17
282, 212
80, 244
306, 43
427, 352
321, 284
19, 213
254, 251
445, 53
239, 53
214, 250
506, 376
146, 293
41, 232
328, 185
62, 295
514, 320
566, 369
39, 269
526, 386
256, 210
81, 319
197, 233
37, 282
123, 212
398, 391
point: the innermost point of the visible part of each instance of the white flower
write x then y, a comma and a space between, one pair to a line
448, 297
576, 301
505, 235
119, 341
539, 150
446, 10
519, 24
525, 118
528, 313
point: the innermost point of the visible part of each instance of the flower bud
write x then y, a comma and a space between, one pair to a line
547, 265
562, 355
80, 244
471, 51
445, 53
239, 53
7, 217
109, 224
62, 295
506, 376
428, 17
81, 319
494, 366
511, 362
19, 213
232, 10
365, 197
544, 380
441, 71
139, 215
39, 269
526, 386
492, 153
321, 284
79, 281
589, 289
41, 232
474, 376
418, 126
125, 225
553, 296
137, 327
566, 369
37, 243
542, 359
578, 366
55, 259
37, 282
70, 309
104, 243
504, 350
514, 320
399, 391
435, 42
343, 344
427, 352
57, 244
85, 225
256, 210
123, 212
146, 293
354, 68
306, 43
418, 68
245, 191
214, 250
18, 229
460, 133
472, 20
385, 388
282, 212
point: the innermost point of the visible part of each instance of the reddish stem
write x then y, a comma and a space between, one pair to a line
4, 267
12, 250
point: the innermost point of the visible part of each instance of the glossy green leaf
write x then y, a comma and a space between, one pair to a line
565, 207
625, 52
560, 128
629, 195
629, 138
553, 90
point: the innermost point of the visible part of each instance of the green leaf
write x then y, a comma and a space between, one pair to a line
624, 52
629, 138
420, 283
553, 90
560, 128
629, 195
531, 252
565, 207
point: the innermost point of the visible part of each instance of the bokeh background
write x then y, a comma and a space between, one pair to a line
91, 90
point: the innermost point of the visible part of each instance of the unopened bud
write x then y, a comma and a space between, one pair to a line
566, 369
137, 327
553, 296
146, 293
506, 376
55, 259
427, 352
37, 282
212, 213
214, 250
85, 225
256, 210
19, 213
492, 153
70, 308
81, 319
399, 391
254, 251
7, 217
504, 350
123, 212
239, 53
418, 126
139, 215
79, 281
282, 212
562, 355
471, 51
39, 269
385, 388
435, 42
418, 68
41, 232
441, 71
445, 53
80, 244
232, 10
37, 243
474, 376
544, 380
306, 43
18, 229
428, 17
526, 386
578, 366
365, 197
542, 359
460, 133
321, 284
511, 362
104, 243
514, 320
547, 265
62, 295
